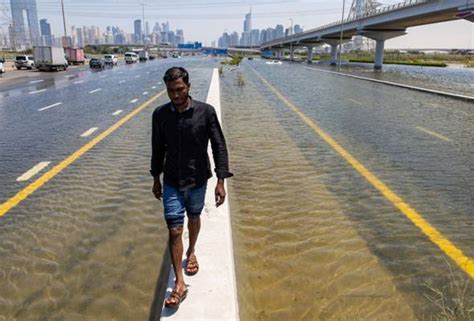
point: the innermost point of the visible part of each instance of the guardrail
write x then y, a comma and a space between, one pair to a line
383, 10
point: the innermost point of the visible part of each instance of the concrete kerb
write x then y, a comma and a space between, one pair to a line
212, 293
431, 91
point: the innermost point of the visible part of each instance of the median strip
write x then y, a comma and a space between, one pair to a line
446, 246
30, 189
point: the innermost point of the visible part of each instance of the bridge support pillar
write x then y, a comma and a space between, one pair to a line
379, 51
310, 55
333, 54
380, 36
292, 54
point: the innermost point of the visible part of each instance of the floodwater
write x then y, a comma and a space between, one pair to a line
313, 239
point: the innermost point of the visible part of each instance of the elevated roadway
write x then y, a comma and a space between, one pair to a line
380, 25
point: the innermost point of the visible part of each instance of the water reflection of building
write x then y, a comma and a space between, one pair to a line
24, 34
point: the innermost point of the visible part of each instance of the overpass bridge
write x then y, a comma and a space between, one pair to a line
380, 25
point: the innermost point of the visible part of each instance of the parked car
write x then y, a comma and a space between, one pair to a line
24, 61
2, 68
97, 63
110, 60
131, 57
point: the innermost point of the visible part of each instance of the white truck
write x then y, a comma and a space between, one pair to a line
143, 55
50, 58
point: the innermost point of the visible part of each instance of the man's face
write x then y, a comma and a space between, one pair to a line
178, 91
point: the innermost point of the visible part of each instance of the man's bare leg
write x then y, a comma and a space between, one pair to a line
176, 252
194, 226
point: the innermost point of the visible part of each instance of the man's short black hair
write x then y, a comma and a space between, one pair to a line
175, 73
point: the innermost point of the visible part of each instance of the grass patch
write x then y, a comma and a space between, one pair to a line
235, 60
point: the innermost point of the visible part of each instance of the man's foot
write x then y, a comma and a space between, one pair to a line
175, 298
192, 266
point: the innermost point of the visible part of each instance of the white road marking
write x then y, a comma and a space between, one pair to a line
137, 76
120, 72
36, 81
89, 132
32, 172
134, 101
434, 134
118, 112
69, 76
147, 72
355, 101
50, 106
159, 83
122, 81
79, 82
103, 76
153, 87
145, 93
37, 91
95, 90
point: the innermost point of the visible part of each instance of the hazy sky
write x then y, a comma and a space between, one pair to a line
206, 20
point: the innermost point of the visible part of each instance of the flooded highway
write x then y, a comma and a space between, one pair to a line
314, 239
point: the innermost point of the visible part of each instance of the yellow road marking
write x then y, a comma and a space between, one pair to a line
463, 261
27, 191
433, 134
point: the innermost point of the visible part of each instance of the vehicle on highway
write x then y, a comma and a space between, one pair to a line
75, 56
24, 61
49, 58
110, 60
143, 55
274, 62
97, 63
131, 57
2, 68
152, 57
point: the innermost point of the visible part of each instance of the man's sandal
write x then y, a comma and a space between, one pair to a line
192, 265
175, 299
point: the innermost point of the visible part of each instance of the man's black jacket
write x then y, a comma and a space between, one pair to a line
179, 145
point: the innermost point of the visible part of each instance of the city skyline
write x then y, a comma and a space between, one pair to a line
206, 21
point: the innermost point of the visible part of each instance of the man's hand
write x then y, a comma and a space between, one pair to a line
157, 190
220, 192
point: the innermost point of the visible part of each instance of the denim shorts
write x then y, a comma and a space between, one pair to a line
177, 202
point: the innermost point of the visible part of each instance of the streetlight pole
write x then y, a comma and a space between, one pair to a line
342, 31
291, 42
64, 23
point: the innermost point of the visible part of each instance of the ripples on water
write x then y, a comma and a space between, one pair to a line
89, 244
313, 240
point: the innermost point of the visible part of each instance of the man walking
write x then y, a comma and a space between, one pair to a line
181, 131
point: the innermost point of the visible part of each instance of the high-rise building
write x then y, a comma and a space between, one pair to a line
147, 29
179, 36
298, 29
22, 38
45, 32
255, 37
80, 37
138, 31
234, 39
248, 22
279, 32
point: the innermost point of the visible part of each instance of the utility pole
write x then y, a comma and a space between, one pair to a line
291, 42
342, 31
143, 24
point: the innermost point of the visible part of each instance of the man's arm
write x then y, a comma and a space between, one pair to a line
158, 151
221, 159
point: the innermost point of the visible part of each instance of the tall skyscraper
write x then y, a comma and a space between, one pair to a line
279, 31
248, 21
138, 31
45, 32
22, 38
